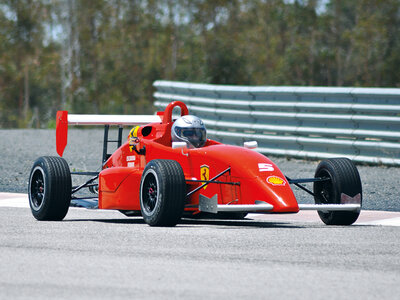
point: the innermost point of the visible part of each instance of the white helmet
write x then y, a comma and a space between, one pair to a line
189, 129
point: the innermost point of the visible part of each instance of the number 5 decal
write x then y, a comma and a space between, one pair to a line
262, 167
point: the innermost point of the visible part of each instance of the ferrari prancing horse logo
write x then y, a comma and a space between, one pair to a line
205, 173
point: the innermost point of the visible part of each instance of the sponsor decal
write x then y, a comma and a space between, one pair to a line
205, 173
131, 158
262, 167
275, 180
131, 164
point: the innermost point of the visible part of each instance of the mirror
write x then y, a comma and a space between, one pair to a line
250, 145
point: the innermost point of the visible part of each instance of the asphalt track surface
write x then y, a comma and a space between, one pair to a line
103, 254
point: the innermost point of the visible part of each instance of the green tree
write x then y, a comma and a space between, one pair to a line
103, 56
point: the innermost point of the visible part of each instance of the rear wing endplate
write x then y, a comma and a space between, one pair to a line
64, 119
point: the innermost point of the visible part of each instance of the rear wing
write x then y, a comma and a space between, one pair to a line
64, 119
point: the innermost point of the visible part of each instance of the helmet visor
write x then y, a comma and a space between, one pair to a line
195, 136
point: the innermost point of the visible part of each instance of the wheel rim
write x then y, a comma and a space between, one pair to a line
37, 189
325, 189
150, 192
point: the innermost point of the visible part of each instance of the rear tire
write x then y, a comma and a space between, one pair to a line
344, 179
49, 188
162, 193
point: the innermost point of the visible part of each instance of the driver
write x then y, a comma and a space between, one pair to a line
189, 129
133, 137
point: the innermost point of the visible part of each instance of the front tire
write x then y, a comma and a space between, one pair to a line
162, 193
49, 188
344, 181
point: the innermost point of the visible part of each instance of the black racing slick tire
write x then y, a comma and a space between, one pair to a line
162, 193
344, 181
49, 188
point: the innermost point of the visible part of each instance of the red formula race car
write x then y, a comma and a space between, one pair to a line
163, 179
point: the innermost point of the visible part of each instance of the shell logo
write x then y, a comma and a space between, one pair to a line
275, 180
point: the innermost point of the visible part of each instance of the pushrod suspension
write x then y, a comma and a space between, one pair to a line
84, 184
208, 181
297, 181
214, 181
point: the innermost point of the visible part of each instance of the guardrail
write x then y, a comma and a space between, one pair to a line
362, 124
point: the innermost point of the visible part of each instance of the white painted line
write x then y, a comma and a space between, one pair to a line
14, 200
367, 217
385, 222
17, 200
